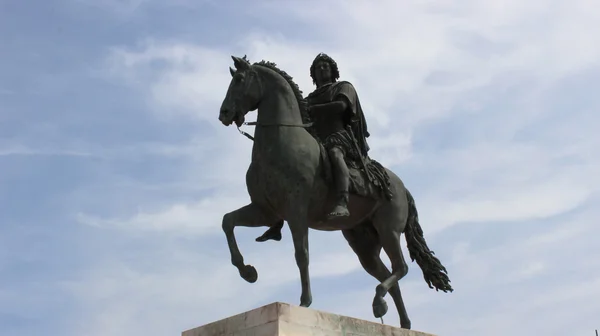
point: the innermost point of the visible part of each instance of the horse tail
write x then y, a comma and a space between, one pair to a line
434, 272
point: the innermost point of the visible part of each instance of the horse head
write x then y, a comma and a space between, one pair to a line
243, 94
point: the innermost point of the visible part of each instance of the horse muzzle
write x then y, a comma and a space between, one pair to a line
228, 117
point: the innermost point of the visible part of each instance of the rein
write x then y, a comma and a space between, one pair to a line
255, 123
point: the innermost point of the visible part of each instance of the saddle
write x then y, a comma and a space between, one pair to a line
377, 186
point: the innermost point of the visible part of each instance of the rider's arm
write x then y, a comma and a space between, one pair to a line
337, 106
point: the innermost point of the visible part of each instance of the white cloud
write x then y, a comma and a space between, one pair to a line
182, 78
511, 199
203, 217
119, 291
403, 44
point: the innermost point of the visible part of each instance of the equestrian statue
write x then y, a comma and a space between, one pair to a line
310, 168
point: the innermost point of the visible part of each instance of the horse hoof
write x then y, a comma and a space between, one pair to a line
305, 301
405, 325
248, 273
380, 308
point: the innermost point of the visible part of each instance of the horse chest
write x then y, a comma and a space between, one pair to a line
272, 183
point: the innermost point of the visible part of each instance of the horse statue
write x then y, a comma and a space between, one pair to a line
287, 180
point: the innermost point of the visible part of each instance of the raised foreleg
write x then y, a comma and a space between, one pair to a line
250, 215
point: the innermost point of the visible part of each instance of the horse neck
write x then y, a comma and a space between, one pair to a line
278, 106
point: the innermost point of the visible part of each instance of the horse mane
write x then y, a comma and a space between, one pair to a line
302, 103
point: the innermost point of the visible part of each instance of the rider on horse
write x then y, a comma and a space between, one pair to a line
340, 125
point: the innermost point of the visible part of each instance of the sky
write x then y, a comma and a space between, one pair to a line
115, 172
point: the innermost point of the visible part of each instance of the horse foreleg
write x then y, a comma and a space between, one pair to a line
250, 215
299, 230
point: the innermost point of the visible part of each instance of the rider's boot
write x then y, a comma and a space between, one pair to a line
273, 233
342, 184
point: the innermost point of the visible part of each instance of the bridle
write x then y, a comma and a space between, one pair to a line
256, 123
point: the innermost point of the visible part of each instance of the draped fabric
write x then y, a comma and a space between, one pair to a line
353, 139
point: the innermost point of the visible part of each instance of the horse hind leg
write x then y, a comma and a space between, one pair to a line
389, 222
399, 270
365, 243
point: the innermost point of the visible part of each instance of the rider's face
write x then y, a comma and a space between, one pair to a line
322, 73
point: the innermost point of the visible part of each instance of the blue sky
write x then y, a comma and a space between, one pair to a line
115, 172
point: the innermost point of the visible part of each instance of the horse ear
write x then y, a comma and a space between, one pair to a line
231, 71
239, 63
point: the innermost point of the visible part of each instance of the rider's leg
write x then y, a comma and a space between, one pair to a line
342, 183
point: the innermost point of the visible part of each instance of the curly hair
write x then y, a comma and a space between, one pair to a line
335, 73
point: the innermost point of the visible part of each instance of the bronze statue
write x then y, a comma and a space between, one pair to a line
294, 176
340, 125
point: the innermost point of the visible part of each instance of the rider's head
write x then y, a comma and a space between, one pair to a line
324, 70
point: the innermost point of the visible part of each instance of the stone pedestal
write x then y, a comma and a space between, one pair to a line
281, 319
